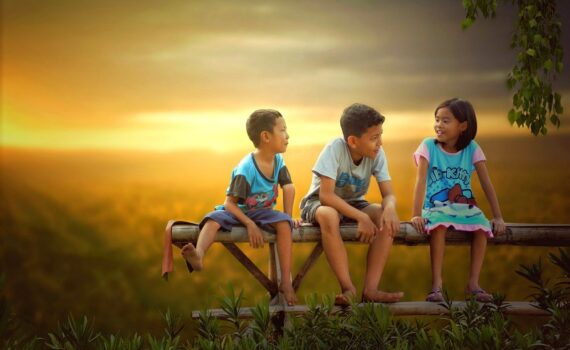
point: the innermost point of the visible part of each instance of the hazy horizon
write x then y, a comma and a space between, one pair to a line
143, 75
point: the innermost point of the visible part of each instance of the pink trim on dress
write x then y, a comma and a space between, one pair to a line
478, 155
422, 151
462, 227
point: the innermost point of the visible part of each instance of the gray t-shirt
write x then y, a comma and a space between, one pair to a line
352, 180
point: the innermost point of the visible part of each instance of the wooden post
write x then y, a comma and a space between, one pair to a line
279, 318
311, 260
252, 268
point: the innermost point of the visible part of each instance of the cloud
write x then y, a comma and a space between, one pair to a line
85, 64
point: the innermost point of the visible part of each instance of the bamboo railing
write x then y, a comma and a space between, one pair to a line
553, 235
548, 235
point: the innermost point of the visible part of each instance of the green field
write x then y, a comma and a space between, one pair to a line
81, 232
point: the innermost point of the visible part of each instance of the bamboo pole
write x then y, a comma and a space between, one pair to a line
408, 308
517, 234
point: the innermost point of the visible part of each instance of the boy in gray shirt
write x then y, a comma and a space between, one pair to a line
341, 177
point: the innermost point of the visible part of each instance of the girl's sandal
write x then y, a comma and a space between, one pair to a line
480, 295
435, 296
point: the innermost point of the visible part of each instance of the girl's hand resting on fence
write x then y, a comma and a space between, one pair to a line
419, 223
498, 226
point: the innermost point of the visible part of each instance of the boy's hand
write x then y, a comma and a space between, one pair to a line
366, 229
499, 227
419, 223
255, 235
297, 222
390, 221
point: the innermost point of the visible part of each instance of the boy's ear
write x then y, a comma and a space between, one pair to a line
264, 136
351, 140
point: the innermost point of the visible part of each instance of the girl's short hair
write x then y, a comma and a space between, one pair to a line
462, 110
261, 120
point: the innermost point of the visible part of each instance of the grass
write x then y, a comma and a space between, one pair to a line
477, 326
82, 231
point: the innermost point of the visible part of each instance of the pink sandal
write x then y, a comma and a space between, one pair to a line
480, 295
435, 296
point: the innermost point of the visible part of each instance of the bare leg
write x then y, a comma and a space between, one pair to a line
335, 252
195, 255
376, 261
437, 250
478, 247
284, 249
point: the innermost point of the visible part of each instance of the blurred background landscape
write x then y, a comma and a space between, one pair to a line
118, 117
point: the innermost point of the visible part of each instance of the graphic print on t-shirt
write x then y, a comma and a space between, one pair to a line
351, 186
262, 200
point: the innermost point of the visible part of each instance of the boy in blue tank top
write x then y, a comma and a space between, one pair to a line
251, 196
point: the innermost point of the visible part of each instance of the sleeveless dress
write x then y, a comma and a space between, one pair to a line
449, 200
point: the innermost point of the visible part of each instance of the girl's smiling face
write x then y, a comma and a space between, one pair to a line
448, 128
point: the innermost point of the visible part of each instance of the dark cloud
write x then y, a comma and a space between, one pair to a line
111, 59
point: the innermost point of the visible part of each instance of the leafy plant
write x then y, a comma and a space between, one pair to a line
553, 298
231, 305
164, 343
537, 40
174, 324
74, 335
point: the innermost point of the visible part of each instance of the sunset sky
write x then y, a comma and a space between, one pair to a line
170, 75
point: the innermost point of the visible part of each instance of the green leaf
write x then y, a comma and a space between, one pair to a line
531, 52
559, 67
534, 128
555, 120
532, 23
512, 116
548, 64
511, 83
467, 22
557, 104
537, 38
516, 100
524, 40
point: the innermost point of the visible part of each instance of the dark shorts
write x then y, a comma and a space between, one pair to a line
262, 218
310, 209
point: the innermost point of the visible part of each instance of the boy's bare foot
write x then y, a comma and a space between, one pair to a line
345, 298
288, 293
191, 255
378, 296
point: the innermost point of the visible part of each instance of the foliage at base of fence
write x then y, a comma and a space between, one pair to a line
477, 326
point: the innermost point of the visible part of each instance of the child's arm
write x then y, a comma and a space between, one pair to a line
390, 218
419, 193
288, 199
253, 232
366, 228
497, 222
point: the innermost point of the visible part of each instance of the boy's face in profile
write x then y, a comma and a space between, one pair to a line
369, 143
279, 138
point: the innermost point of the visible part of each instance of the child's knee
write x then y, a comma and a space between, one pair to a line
327, 216
374, 211
211, 225
282, 227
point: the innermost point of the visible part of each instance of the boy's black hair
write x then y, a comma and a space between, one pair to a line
261, 120
462, 110
357, 118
